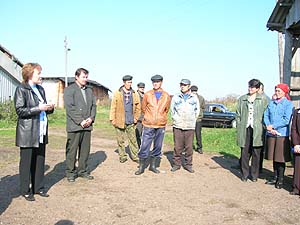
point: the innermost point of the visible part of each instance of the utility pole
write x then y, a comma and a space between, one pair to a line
66, 61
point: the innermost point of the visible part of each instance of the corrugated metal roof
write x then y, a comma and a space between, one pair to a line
72, 80
279, 14
11, 56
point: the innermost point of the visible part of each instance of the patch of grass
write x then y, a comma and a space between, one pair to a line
220, 140
7, 124
217, 140
7, 137
57, 118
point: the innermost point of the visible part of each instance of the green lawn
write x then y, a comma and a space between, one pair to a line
217, 140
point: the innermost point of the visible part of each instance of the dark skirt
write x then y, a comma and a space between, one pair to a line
296, 177
278, 149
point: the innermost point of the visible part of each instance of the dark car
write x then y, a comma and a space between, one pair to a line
217, 115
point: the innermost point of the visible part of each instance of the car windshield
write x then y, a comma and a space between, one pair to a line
224, 108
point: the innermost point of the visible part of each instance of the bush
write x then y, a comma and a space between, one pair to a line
7, 112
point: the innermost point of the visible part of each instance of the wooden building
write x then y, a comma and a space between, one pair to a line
285, 19
54, 88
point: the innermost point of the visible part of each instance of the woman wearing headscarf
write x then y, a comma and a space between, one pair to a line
277, 119
295, 141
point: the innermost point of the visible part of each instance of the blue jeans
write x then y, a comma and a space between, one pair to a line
155, 135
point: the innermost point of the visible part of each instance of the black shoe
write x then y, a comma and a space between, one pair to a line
87, 176
123, 160
43, 194
154, 170
175, 167
136, 160
141, 166
71, 179
254, 179
279, 184
244, 179
293, 193
199, 150
153, 166
189, 169
271, 181
29, 197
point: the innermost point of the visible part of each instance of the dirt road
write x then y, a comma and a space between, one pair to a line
214, 194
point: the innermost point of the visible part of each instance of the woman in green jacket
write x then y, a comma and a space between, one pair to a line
249, 119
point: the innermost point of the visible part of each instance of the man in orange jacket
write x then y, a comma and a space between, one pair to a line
155, 107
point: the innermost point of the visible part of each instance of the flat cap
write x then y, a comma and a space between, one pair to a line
141, 85
127, 77
185, 81
156, 78
194, 88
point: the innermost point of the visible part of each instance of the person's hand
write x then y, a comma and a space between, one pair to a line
112, 122
269, 128
46, 107
50, 107
297, 148
83, 124
89, 121
43, 107
275, 132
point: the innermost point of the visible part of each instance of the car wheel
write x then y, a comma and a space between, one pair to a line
233, 123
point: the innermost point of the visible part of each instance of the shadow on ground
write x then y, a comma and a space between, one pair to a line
230, 162
9, 185
58, 172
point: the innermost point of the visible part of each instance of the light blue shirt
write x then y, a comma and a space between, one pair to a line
278, 114
43, 116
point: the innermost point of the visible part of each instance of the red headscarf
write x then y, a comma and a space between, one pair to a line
285, 89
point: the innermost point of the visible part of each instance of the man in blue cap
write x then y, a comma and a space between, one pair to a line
125, 111
185, 109
155, 106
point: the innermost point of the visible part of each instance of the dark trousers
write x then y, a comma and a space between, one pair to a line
183, 142
296, 175
80, 141
262, 152
247, 152
155, 135
31, 169
138, 133
198, 132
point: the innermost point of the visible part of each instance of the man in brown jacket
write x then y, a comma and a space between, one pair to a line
124, 113
155, 107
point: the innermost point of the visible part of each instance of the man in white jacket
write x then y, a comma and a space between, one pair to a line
185, 109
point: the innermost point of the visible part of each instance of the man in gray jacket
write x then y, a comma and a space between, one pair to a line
80, 104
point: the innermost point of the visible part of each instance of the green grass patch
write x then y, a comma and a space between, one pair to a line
7, 137
215, 140
220, 140
7, 124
